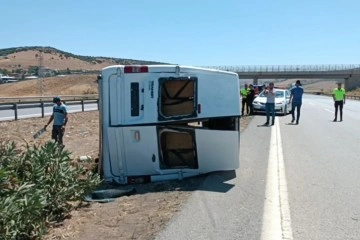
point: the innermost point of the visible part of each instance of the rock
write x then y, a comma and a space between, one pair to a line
84, 158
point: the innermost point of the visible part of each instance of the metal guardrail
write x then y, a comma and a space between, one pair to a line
355, 68
48, 98
329, 94
42, 104
353, 97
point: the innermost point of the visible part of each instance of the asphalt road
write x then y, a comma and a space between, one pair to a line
294, 182
36, 112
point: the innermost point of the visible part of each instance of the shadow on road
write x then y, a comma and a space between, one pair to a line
216, 182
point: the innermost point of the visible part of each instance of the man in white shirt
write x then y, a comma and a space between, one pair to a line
269, 92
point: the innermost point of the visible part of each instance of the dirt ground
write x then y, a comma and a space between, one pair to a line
138, 216
81, 135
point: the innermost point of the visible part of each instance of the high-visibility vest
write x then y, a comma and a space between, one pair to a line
244, 92
339, 94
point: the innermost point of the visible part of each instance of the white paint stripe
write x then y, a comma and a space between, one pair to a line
313, 104
24, 116
46, 114
284, 200
276, 219
328, 110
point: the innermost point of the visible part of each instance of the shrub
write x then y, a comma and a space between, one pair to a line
38, 188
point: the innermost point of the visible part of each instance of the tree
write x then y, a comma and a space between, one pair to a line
4, 71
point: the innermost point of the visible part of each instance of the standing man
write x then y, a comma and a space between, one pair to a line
244, 93
250, 98
296, 100
60, 117
339, 100
270, 103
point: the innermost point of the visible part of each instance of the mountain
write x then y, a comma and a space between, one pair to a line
28, 61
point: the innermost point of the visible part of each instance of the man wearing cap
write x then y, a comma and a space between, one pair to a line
339, 100
296, 101
60, 117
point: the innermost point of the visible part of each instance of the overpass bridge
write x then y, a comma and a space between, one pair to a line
350, 73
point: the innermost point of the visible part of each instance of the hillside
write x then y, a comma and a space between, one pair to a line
314, 84
320, 85
66, 85
28, 59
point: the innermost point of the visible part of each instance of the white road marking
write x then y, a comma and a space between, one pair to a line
328, 110
24, 116
45, 114
312, 103
276, 219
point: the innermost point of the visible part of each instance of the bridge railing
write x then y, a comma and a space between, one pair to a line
290, 68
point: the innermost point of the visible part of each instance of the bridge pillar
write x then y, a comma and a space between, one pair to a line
352, 82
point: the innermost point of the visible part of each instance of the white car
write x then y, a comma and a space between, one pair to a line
282, 102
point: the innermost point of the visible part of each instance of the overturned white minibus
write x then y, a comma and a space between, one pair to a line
160, 122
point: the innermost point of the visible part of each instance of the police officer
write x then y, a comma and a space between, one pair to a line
250, 98
244, 93
339, 100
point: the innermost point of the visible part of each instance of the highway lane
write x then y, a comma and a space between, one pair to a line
351, 107
322, 168
294, 182
36, 112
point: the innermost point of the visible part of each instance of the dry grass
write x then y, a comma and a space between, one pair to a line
321, 86
81, 135
54, 60
355, 92
67, 85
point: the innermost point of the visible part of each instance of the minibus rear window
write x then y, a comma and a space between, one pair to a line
135, 111
177, 98
177, 149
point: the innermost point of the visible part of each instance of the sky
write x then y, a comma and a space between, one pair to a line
190, 32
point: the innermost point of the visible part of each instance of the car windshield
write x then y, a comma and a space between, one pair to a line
278, 94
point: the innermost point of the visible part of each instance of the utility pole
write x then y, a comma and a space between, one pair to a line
41, 72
